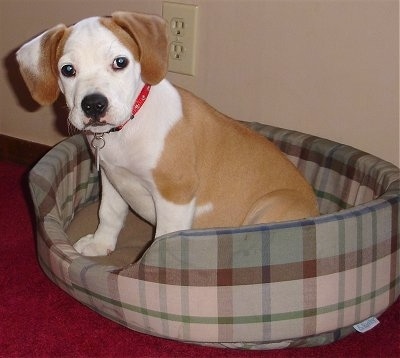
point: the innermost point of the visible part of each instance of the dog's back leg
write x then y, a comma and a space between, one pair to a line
281, 205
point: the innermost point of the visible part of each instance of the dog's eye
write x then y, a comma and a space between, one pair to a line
68, 71
120, 63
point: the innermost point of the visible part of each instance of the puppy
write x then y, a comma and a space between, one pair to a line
172, 158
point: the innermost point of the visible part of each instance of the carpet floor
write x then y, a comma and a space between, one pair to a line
38, 319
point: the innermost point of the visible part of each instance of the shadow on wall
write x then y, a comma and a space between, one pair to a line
25, 99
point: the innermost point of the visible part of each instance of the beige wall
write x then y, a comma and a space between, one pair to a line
329, 68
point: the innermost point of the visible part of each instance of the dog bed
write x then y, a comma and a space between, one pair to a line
290, 284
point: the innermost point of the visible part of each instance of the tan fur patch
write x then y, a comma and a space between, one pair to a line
60, 49
150, 34
176, 178
122, 36
44, 85
223, 163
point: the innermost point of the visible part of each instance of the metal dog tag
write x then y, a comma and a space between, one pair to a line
98, 143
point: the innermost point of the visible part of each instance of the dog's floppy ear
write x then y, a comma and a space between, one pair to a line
150, 33
38, 65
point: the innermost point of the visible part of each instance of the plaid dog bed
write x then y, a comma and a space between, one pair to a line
289, 284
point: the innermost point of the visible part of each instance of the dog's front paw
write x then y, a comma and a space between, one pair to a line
89, 246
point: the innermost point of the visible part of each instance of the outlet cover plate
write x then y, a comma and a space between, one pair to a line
182, 36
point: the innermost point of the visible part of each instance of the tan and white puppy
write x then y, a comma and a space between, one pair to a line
179, 163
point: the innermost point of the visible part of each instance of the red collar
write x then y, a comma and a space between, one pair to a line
136, 106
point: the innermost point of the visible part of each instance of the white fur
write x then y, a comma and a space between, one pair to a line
91, 49
203, 209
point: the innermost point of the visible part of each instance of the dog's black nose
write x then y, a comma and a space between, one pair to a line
94, 105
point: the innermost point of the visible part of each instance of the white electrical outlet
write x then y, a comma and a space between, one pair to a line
182, 35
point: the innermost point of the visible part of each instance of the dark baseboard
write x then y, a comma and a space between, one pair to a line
21, 151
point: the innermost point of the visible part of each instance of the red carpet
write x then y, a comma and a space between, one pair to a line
37, 319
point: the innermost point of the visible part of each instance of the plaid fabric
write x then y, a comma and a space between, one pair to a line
299, 283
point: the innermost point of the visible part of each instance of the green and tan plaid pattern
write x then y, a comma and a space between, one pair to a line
299, 283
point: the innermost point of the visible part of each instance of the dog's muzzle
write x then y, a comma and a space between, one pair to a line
94, 106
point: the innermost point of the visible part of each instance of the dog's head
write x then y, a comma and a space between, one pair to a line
99, 64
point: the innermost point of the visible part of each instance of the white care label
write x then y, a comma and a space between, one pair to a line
366, 325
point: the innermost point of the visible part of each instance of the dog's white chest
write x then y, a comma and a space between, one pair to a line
135, 156
128, 167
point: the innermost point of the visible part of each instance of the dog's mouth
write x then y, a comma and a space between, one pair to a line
96, 126
95, 122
